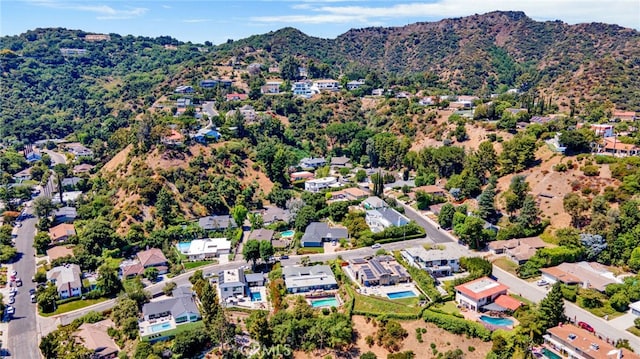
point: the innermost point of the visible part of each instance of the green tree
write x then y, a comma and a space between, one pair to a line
151, 273
43, 206
257, 325
445, 217
108, 281
487, 157
239, 214
47, 298
337, 210
165, 206
529, 214
289, 68
471, 232
279, 196
575, 205
125, 308
251, 251
256, 220
361, 175
486, 206
41, 242
266, 250
552, 307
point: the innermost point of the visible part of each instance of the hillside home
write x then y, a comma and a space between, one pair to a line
379, 270
271, 87
325, 85
340, 161
236, 97
217, 223
97, 37
184, 89
612, 146
501, 247
69, 196
173, 138
206, 134
72, 51
570, 341
95, 337
380, 219
476, 294
440, 262
33, 157
274, 214
349, 194
377, 92
430, 190
301, 175
183, 102
311, 162
588, 275
152, 257
374, 202
66, 279
231, 283
355, 84
516, 111
205, 249
602, 130
318, 232
305, 279
302, 88
627, 116
62, 232
58, 252
461, 104
427, 101
70, 183
23, 175
207, 84
166, 314
318, 184
540, 119
83, 168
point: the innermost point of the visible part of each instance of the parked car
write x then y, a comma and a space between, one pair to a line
33, 298
32, 291
14, 273
11, 310
586, 327
542, 282
18, 282
376, 246
12, 300
284, 257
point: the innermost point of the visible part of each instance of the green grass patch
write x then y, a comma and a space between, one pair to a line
196, 264
71, 306
310, 250
179, 329
604, 310
449, 307
633, 330
522, 299
506, 264
380, 306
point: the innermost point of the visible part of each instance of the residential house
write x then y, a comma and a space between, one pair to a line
72, 52
601, 130
301, 175
255, 279
232, 283
271, 87
205, 134
403, 94
303, 72
325, 85
183, 102
570, 341
23, 175
33, 156
516, 111
83, 168
476, 294
97, 37
318, 232
379, 270
504, 303
340, 161
70, 183
377, 92
439, 262
555, 143
95, 337
305, 279
67, 280
207, 84
355, 84
236, 97
217, 223
164, 315
58, 252
612, 146
318, 184
62, 232
460, 104
427, 101
274, 214
302, 88
173, 138
468, 98
430, 190
540, 119
380, 219
69, 196
374, 202
312, 162
261, 234
248, 113
153, 257
349, 194
501, 247
184, 89
628, 116
589, 275
79, 150
635, 308
204, 249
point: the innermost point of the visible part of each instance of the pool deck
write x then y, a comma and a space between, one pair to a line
381, 290
145, 325
475, 317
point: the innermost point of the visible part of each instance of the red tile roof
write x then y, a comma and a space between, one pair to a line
151, 257
482, 288
508, 302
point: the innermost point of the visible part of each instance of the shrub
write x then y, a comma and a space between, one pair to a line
590, 170
471, 349
457, 325
560, 167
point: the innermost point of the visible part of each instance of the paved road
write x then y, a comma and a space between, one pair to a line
437, 235
207, 107
534, 293
23, 336
56, 157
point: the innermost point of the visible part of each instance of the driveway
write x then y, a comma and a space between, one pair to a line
434, 232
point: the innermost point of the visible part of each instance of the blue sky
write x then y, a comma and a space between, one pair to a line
217, 21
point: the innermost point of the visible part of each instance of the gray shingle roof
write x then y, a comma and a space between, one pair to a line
184, 302
212, 223
317, 231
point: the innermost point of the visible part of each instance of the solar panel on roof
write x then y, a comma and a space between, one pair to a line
368, 273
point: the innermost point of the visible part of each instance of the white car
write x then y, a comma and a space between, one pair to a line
376, 246
12, 300
14, 273
542, 282
10, 310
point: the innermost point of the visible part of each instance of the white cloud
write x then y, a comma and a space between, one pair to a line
104, 12
622, 12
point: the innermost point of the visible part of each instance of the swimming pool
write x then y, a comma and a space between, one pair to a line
324, 302
160, 327
549, 354
256, 297
183, 247
288, 233
404, 294
501, 322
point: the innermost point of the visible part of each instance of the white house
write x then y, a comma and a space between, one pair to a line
319, 184
379, 219
302, 88
354, 85
478, 293
231, 283
271, 87
325, 85
202, 249
438, 262
67, 280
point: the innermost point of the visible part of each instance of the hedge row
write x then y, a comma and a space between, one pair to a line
457, 325
397, 316
424, 280
398, 239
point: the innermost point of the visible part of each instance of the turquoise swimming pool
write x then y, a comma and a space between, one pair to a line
501, 322
160, 327
256, 297
288, 233
404, 294
183, 246
549, 354
325, 302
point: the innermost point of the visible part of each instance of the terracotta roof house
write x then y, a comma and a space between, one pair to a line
301, 175
174, 138
586, 274
94, 336
62, 232
59, 252
507, 302
567, 340
349, 194
236, 97
616, 148
478, 293
430, 190
624, 115
83, 168
153, 258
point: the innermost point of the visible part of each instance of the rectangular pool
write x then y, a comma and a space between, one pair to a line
325, 302
161, 327
403, 294
183, 247
256, 297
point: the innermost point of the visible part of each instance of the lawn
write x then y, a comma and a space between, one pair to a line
181, 328
310, 250
633, 330
71, 306
604, 310
378, 305
196, 264
506, 264
449, 307
522, 299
